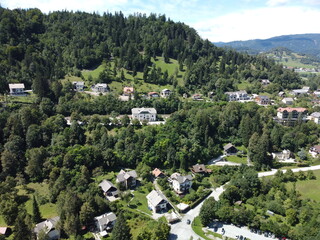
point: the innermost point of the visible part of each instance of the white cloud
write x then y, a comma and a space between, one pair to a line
260, 24
274, 3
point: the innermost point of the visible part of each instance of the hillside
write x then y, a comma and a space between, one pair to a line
301, 43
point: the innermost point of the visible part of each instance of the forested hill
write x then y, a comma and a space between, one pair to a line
300, 43
39, 49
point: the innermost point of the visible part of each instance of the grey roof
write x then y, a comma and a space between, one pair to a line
316, 114
104, 219
237, 92
143, 110
16, 85
288, 99
228, 146
122, 176
263, 97
47, 225
106, 185
180, 178
78, 83
155, 197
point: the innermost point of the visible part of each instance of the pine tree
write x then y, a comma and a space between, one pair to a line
36, 217
121, 230
22, 227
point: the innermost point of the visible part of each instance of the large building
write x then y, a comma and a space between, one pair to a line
144, 114
237, 96
288, 116
17, 89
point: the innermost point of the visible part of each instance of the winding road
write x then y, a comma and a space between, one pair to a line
183, 231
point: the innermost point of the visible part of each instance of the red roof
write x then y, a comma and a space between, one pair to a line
156, 172
152, 93
288, 109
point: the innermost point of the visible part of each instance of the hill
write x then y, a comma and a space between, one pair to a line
300, 43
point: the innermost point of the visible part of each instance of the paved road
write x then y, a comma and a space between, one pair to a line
183, 231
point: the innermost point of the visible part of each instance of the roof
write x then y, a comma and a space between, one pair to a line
3, 230
106, 185
143, 110
316, 148
228, 146
288, 99
315, 114
125, 89
78, 83
104, 219
156, 172
48, 224
237, 92
288, 109
155, 197
165, 90
263, 97
153, 93
16, 85
181, 179
122, 176
199, 168
103, 85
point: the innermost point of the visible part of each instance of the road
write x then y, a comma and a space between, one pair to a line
183, 231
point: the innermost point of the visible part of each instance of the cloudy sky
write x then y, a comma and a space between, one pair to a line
217, 20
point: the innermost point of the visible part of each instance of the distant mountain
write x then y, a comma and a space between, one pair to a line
300, 43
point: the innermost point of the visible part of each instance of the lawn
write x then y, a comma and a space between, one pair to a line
309, 189
236, 159
197, 228
139, 201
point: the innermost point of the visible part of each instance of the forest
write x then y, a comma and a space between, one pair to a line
38, 146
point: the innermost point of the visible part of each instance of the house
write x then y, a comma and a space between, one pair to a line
127, 179
283, 156
281, 94
200, 168
109, 189
288, 116
147, 114
263, 100
315, 117
197, 97
316, 93
105, 222
298, 92
127, 91
157, 173
229, 149
78, 86
237, 96
49, 227
153, 95
165, 93
314, 150
181, 184
265, 82
157, 201
288, 100
17, 89
100, 87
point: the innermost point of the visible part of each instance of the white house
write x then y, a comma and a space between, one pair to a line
147, 114
284, 156
237, 96
315, 117
181, 184
17, 89
78, 86
156, 201
105, 222
288, 100
288, 115
100, 87
49, 228
314, 150
165, 93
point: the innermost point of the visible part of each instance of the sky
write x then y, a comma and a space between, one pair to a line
216, 20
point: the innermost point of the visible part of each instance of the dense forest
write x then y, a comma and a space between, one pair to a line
38, 146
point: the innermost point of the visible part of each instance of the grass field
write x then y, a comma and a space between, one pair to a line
139, 201
237, 159
309, 189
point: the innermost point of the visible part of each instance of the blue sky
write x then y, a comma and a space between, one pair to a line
217, 20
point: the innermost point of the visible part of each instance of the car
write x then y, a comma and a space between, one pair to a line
188, 221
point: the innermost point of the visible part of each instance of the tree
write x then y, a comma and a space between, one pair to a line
207, 211
36, 157
87, 213
36, 217
121, 230
22, 226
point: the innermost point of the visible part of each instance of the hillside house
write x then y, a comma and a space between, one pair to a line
147, 114
200, 168
263, 100
78, 86
284, 156
127, 91
288, 116
237, 96
153, 95
127, 179
298, 92
100, 87
265, 82
165, 93
105, 222
157, 173
109, 190
197, 97
315, 117
17, 89
157, 202
49, 227
314, 150
181, 184
229, 149
288, 100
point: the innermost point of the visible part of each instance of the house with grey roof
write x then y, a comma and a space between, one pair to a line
165, 93
315, 117
17, 89
144, 114
287, 100
181, 184
127, 179
49, 228
229, 149
237, 96
100, 87
78, 86
109, 190
105, 222
157, 201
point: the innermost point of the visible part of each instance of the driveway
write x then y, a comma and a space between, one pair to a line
273, 171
